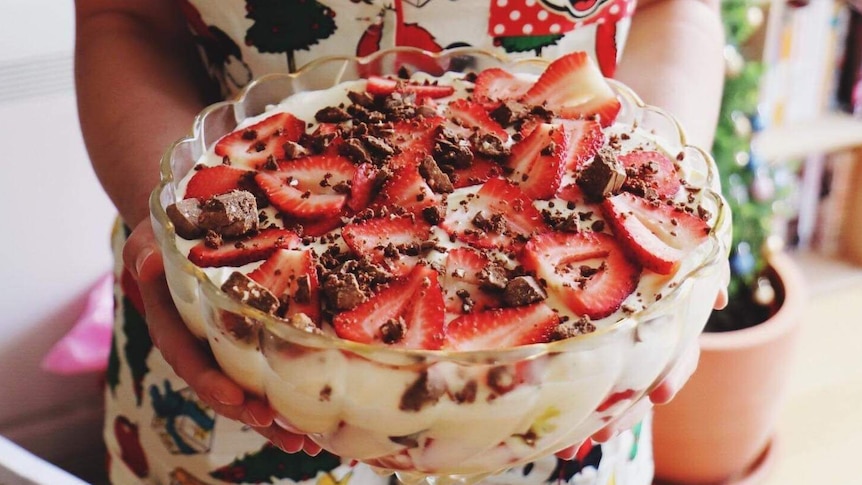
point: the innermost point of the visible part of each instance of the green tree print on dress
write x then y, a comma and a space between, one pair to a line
270, 464
112, 373
138, 346
526, 43
287, 25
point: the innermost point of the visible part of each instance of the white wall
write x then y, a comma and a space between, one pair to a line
54, 227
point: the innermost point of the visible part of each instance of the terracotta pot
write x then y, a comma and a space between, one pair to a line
723, 419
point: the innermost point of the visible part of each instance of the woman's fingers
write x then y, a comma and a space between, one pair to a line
721, 299
187, 355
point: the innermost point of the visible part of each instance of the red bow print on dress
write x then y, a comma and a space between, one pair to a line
514, 18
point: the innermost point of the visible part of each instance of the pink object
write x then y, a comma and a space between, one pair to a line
86, 347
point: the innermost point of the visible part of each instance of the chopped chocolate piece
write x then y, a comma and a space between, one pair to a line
432, 215
603, 176
378, 146
293, 150
392, 331
570, 328
332, 114
496, 224
493, 277
248, 291
437, 180
467, 394
453, 151
303, 290
213, 240
489, 145
232, 214
522, 291
420, 393
185, 215
501, 379
361, 98
354, 149
342, 291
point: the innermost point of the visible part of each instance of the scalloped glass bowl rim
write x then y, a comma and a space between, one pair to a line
291, 334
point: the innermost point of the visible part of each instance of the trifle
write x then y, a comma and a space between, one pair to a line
442, 268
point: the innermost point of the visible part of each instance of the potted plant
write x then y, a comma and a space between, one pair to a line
720, 426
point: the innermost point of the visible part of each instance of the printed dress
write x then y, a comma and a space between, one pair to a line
156, 430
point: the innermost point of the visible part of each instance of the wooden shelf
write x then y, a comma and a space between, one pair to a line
829, 133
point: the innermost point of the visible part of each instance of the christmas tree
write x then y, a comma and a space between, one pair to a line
284, 26
751, 186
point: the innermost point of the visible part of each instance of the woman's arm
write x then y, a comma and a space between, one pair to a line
674, 59
139, 87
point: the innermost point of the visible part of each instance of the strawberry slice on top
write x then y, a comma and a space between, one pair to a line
573, 87
252, 146
383, 86
308, 187
494, 86
472, 115
406, 314
255, 247
650, 171
416, 135
502, 328
498, 215
291, 276
584, 139
407, 190
588, 271
658, 235
463, 284
393, 242
208, 182
536, 162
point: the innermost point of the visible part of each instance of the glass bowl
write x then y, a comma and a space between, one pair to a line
442, 414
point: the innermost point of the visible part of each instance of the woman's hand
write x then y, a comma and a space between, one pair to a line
191, 358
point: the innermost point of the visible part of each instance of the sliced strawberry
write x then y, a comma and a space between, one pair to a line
216, 180
291, 276
315, 227
416, 135
502, 328
584, 139
407, 190
658, 235
573, 87
473, 116
243, 251
362, 187
406, 314
536, 162
499, 215
393, 242
571, 193
306, 187
253, 145
383, 86
479, 171
495, 85
650, 171
463, 284
588, 271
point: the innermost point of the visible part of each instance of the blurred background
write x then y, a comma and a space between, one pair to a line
789, 147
